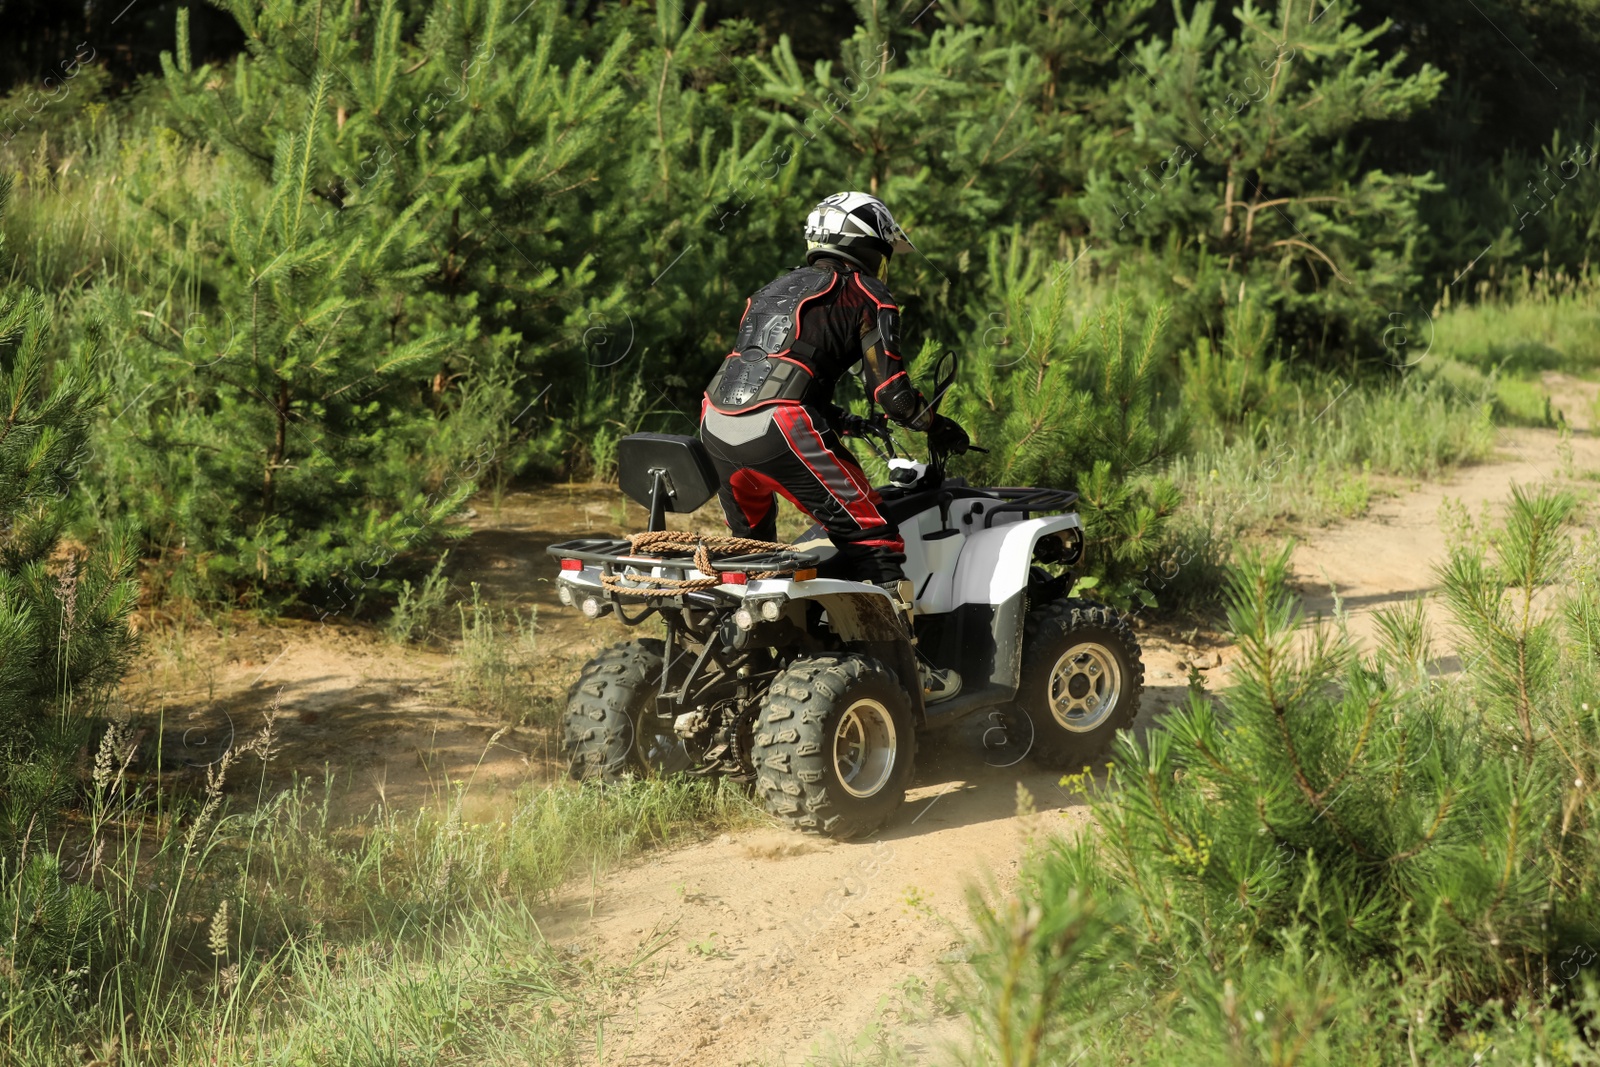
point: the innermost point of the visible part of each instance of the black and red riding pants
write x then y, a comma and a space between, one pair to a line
790, 450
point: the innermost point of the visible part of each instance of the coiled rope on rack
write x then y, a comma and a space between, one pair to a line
704, 547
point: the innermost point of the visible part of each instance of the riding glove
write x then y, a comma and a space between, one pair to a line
946, 436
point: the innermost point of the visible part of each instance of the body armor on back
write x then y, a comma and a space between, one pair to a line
769, 361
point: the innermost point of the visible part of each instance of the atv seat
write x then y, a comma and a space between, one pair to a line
901, 506
816, 542
830, 564
897, 509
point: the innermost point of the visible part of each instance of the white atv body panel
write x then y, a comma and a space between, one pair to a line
977, 578
963, 563
994, 563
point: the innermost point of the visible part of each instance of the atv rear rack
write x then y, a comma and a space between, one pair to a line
613, 556
616, 551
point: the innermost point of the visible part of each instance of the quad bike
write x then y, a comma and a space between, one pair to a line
807, 686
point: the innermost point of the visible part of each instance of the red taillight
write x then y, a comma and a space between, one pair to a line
572, 564
735, 578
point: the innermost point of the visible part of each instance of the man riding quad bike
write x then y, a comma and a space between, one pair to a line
795, 668
769, 421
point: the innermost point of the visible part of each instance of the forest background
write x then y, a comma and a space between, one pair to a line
287, 283
341, 266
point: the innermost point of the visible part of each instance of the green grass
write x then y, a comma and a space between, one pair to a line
1313, 451
1318, 459
219, 931
1537, 324
494, 668
420, 611
76, 220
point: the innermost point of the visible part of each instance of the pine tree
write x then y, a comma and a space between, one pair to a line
64, 633
1073, 403
1244, 167
283, 460
1337, 835
584, 180
1355, 799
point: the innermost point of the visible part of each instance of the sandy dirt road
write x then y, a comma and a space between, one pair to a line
387, 722
1389, 555
773, 948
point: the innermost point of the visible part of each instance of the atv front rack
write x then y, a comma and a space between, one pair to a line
1028, 501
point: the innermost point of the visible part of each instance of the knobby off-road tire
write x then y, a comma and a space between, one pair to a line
834, 745
1082, 677
611, 731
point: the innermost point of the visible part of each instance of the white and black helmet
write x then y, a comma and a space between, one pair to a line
856, 227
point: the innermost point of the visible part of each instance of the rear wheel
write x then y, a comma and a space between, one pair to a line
1081, 681
834, 745
611, 729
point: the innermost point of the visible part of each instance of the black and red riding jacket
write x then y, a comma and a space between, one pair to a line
803, 332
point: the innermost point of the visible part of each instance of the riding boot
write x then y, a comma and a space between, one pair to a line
937, 684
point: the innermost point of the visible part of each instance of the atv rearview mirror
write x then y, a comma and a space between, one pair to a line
944, 372
665, 472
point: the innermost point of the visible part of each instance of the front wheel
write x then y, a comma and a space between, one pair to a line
611, 731
834, 745
1082, 679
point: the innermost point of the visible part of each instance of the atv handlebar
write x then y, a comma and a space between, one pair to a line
877, 428
877, 425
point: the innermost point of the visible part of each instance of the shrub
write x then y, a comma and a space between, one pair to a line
64, 639
1235, 384
279, 461
1342, 825
1078, 409
419, 611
